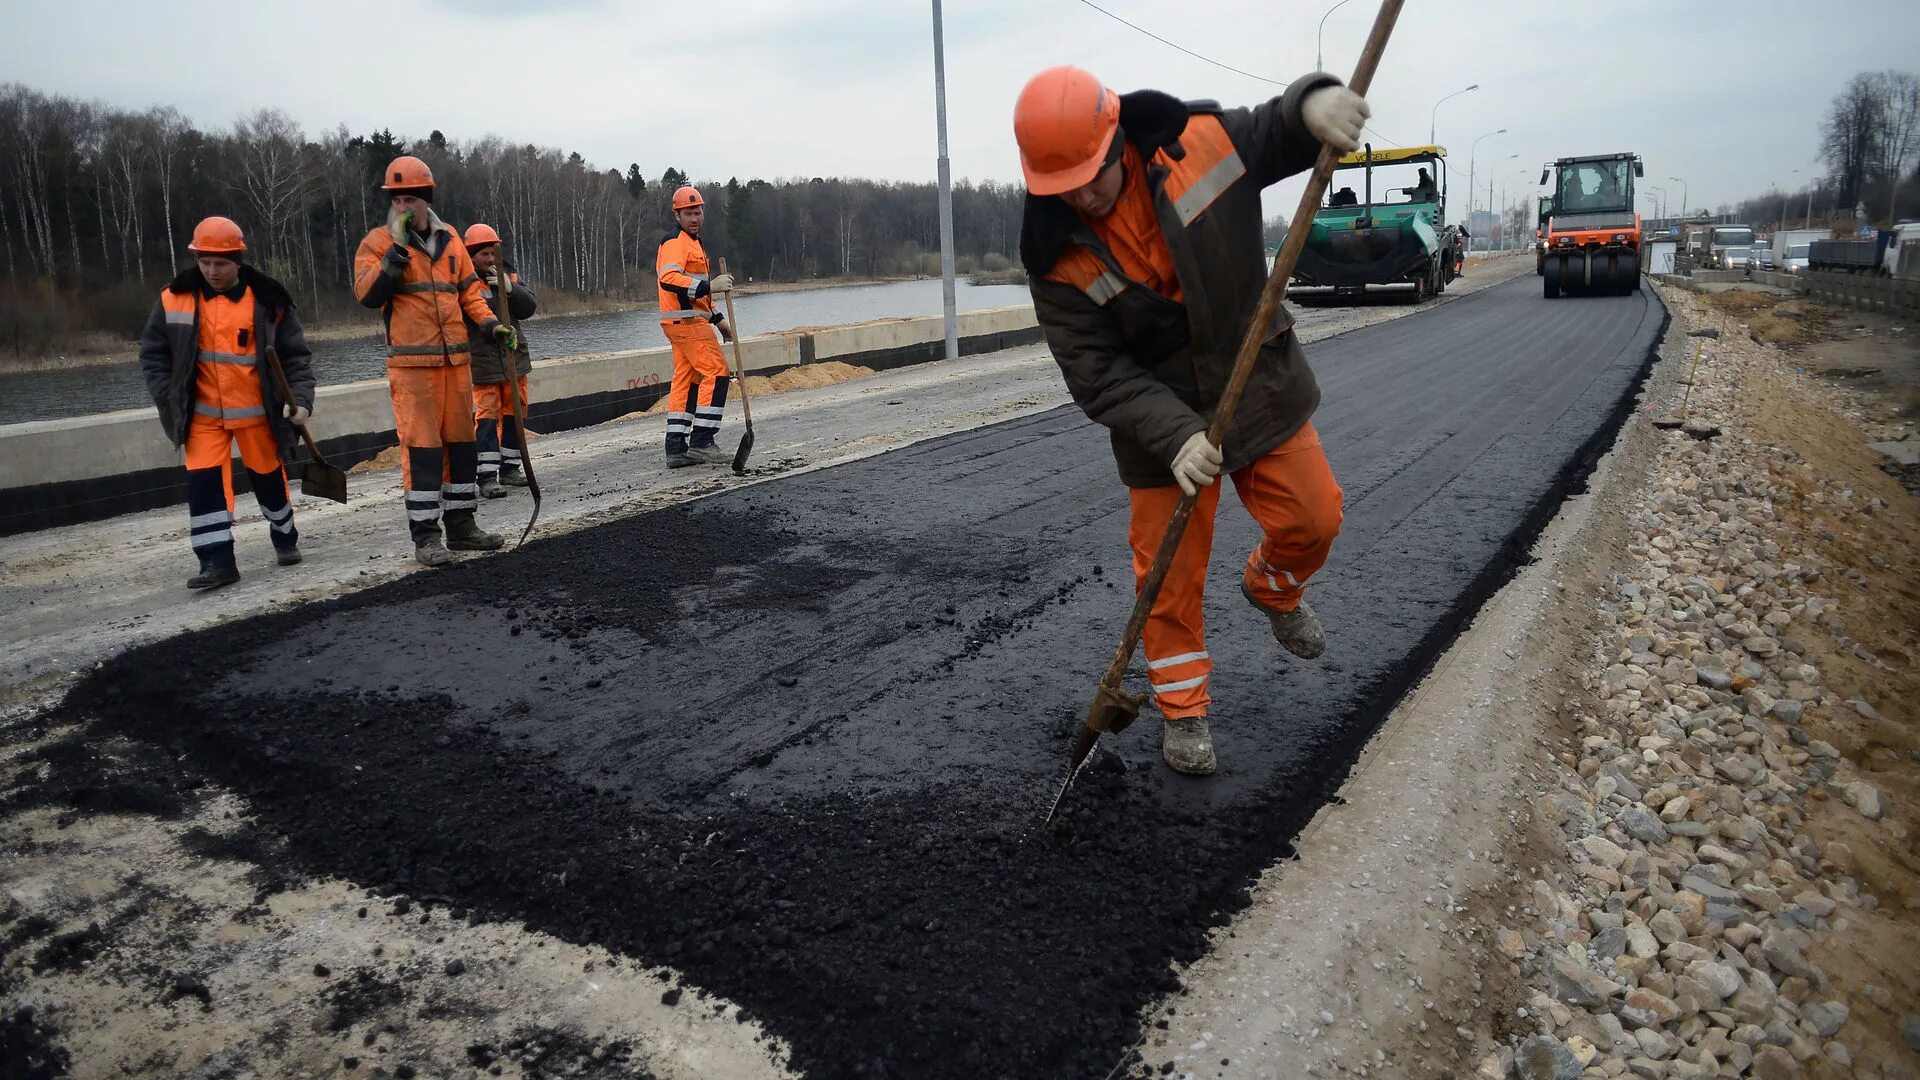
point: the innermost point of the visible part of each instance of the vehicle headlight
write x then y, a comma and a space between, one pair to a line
1619, 237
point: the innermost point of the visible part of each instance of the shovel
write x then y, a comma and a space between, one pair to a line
1113, 708
504, 291
318, 478
740, 379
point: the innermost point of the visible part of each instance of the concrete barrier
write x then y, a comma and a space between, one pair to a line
85, 468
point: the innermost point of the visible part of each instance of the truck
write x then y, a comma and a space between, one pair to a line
1400, 241
1790, 247
1593, 234
1855, 255
1902, 256
1719, 239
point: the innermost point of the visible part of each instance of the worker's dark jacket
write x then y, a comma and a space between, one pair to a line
1146, 367
170, 353
487, 366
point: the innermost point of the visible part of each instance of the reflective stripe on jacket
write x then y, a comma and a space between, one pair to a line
1148, 367
682, 268
226, 382
172, 359
425, 298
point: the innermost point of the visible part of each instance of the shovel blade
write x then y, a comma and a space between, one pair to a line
323, 481
1082, 748
740, 452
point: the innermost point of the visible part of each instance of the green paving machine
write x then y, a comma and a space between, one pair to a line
1400, 242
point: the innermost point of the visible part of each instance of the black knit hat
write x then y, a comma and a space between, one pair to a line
424, 194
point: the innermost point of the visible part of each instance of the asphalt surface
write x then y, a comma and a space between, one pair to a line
795, 741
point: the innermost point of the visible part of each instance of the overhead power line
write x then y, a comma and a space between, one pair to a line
1208, 59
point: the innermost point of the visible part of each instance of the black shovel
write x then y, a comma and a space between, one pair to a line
318, 478
740, 379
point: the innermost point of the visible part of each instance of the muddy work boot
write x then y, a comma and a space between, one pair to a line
1187, 746
680, 460
491, 488
710, 455
288, 556
465, 534
212, 577
1297, 631
432, 552
514, 478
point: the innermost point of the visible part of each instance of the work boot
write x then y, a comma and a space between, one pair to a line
212, 577
1297, 631
680, 460
465, 534
432, 553
490, 488
1187, 747
287, 556
514, 478
710, 455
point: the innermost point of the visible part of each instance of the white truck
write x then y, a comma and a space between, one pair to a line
1790, 248
1902, 257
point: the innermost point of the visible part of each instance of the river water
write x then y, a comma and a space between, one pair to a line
48, 395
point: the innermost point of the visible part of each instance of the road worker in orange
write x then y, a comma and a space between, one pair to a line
203, 354
417, 274
697, 398
497, 436
1142, 243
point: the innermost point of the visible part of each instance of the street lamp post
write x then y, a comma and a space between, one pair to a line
1433, 116
947, 304
1661, 204
1683, 194
1471, 193
1319, 61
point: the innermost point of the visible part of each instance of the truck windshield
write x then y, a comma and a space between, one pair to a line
1798, 251
1594, 185
1733, 238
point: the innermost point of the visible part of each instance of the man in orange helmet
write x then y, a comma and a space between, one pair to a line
1142, 243
203, 354
497, 437
697, 397
417, 273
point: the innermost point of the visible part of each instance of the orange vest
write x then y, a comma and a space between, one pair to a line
226, 380
1132, 232
682, 266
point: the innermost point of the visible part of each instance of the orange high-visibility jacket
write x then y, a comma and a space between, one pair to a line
684, 293
226, 386
426, 292
184, 338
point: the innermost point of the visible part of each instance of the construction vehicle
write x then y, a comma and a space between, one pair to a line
1399, 243
1593, 233
1540, 235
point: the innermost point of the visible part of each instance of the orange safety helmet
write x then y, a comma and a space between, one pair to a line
1064, 122
478, 234
687, 196
407, 172
217, 236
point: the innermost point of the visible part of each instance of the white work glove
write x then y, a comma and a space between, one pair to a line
720, 283
298, 415
1335, 115
1197, 463
492, 278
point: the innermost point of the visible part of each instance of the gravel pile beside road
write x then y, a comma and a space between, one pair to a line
1700, 806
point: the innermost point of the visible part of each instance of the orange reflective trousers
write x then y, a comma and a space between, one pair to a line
209, 459
433, 415
697, 399
1292, 494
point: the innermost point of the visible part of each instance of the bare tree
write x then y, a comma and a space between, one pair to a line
169, 130
1851, 133
275, 178
1899, 93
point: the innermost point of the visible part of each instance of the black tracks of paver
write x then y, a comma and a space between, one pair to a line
795, 740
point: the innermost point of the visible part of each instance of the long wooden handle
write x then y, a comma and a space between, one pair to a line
739, 364
1270, 297
286, 397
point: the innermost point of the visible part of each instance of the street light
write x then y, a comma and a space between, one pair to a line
1319, 61
949, 319
1783, 204
1490, 211
1662, 204
1683, 194
1436, 113
1470, 159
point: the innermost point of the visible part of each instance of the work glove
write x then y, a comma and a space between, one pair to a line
507, 338
491, 277
298, 414
726, 330
1197, 463
720, 283
1335, 115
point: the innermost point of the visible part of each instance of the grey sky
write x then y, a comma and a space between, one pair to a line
1726, 94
